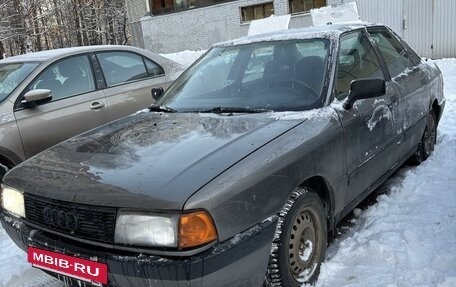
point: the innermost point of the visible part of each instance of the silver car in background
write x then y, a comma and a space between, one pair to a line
49, 96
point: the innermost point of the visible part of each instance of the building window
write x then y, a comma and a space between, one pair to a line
158, 7
304, 6
255, 12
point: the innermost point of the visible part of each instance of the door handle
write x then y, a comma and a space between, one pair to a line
96, 106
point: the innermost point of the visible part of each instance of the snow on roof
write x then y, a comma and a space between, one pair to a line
328, 31
43, 56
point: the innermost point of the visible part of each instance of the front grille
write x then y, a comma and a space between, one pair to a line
94, 222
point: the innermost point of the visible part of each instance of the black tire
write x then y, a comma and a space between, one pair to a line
299, 245
427, 142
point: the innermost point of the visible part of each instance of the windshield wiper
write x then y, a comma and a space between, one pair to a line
154, 108
221, 110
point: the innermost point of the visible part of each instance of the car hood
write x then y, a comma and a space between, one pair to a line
146, 161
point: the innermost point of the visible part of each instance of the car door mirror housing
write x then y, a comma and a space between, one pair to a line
157, 93
35, 97
365, 89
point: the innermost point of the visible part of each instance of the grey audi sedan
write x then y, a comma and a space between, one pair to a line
240, 170
47, 97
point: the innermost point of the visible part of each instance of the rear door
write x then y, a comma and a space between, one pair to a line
129, 78
370, 127
412, 83
76, 105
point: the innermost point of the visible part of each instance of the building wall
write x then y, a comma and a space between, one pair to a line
426, 24
200, 28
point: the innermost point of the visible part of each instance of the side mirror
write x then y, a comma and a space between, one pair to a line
157, 93
35, 97
365, 89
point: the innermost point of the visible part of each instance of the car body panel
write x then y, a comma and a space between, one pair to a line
126, 99
142, 146
258, 186
47, 125
370, 139
9, 134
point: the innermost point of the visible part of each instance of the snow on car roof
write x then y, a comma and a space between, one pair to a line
43, 56
327, 31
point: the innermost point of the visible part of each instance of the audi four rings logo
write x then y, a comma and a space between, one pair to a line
59, 218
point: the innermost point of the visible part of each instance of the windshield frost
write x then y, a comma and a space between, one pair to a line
279, 76
11, 75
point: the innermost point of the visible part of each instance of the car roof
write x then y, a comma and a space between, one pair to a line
327, 31
44, 56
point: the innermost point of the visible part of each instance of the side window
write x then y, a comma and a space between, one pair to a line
153, 69
357, 60
66, 78
121, 67
396, 58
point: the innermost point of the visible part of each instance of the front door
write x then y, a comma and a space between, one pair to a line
76, 106
371, 127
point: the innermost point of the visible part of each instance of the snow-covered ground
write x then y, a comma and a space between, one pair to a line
407, 238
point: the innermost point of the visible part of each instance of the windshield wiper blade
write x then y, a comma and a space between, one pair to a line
220, 110
155, 108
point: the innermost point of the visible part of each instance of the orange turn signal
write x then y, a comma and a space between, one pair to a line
196, 229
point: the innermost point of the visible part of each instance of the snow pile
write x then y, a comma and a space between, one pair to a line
342, 13
270, 24
185, 58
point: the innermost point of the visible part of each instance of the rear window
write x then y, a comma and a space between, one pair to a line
124, 67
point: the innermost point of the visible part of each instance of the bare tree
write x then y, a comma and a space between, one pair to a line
34, 25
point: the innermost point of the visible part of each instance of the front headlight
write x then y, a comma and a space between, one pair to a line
181, 231
13, 201
144, 229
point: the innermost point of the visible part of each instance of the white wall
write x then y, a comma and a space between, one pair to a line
427, 25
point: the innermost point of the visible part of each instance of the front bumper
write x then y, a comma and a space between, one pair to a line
240, 261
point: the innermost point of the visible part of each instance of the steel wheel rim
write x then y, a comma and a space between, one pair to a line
302, 251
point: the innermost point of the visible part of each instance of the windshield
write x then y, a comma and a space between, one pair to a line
278, 76
11, 75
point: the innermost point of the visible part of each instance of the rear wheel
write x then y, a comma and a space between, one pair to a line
427, 142
299, 245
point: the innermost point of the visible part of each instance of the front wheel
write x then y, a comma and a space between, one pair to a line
299, 245
427, 142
